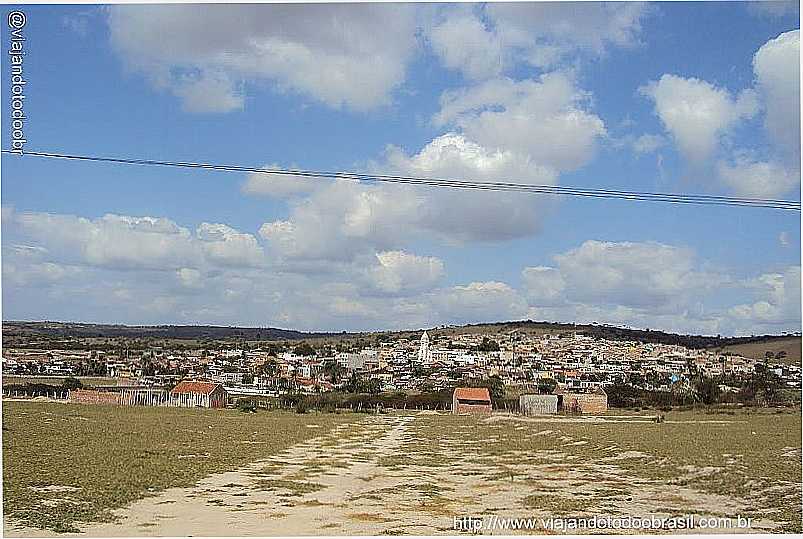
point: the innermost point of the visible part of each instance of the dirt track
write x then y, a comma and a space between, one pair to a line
384, 476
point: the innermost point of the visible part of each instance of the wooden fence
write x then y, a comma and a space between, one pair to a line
22, 394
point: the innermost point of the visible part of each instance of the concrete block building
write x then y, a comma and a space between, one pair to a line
535, 404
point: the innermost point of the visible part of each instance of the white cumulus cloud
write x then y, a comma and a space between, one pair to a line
348, 218
749, 177
478, 301
332, 53
126, 242
543, 285
777, 70
398, 271
223, 245
464, 43
648, 143
631, 274
488, 40
697, 114
547, 119
777, 304
283, 185
498, 131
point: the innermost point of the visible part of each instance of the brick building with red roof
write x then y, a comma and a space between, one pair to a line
471, 400
192, 393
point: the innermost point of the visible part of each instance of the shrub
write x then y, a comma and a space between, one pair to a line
71, 383
248, 406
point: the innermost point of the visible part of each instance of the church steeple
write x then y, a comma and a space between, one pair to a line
424, 355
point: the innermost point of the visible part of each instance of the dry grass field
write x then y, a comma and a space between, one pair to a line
224, 473
68, 463
757, 350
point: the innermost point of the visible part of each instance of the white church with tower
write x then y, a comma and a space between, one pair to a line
424, 353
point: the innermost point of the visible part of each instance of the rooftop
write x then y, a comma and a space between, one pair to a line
203, 388
472, 393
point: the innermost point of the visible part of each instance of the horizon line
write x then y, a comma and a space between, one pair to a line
788, 333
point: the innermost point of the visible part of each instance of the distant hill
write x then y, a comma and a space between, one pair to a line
615, 333
63, 330
754, 346
758, 348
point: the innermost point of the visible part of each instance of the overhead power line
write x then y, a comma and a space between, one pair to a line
672, 198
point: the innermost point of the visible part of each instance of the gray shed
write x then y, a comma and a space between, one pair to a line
538, 404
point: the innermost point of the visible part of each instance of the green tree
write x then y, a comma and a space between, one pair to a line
333, 370
546, 386
762, 387
357, 384
304, 349
488, 345
276, 348
494, 384
635, 379
707, 390
269, 369
623, 396
72, 383
148, 368
247, 405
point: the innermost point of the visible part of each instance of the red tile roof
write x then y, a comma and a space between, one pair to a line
204, 388
472, 393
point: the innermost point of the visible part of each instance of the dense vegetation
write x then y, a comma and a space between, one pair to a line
761, 388
35, 389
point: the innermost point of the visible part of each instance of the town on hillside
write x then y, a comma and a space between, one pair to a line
510, 362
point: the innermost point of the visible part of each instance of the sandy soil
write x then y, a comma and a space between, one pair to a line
381, 477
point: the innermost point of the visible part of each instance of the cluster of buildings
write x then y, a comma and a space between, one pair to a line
574, 363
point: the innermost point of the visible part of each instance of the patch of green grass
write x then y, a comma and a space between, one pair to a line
117, 455
393, 461
557, 505
607, 492
367, 517
289, 488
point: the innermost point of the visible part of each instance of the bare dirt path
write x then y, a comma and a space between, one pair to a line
384, 475
314, 488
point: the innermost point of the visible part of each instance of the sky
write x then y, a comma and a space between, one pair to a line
673, 97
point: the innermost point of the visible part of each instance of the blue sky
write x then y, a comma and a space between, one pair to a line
675, 97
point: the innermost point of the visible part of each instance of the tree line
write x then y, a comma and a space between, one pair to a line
763, 387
